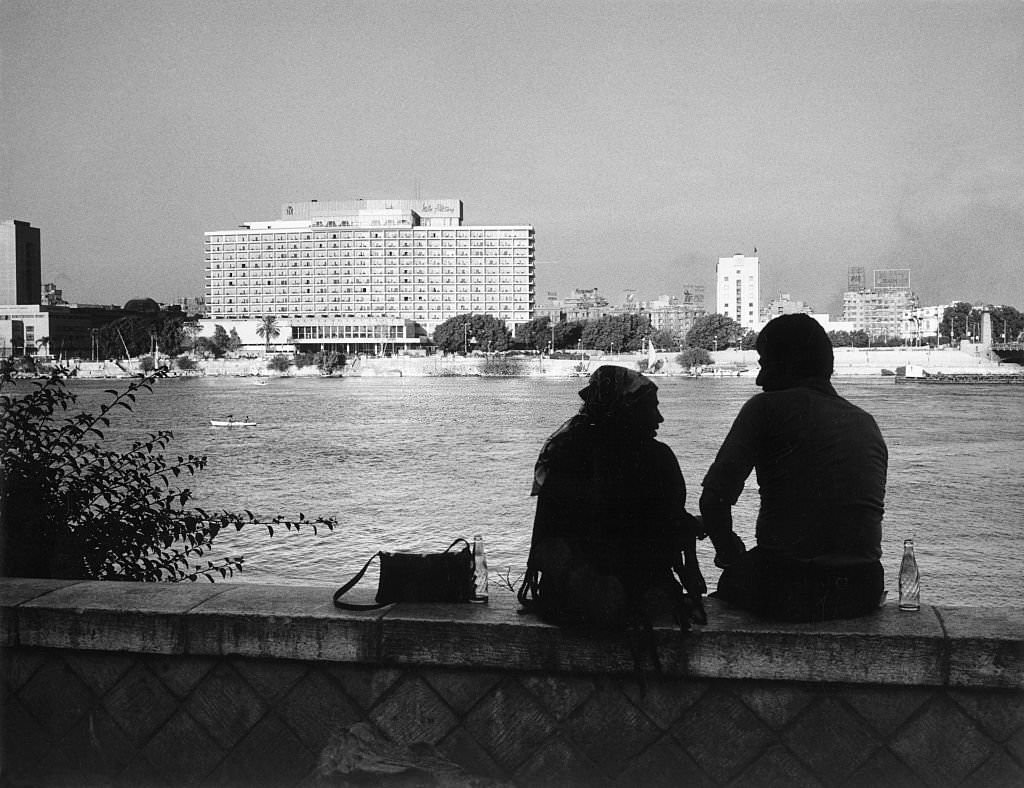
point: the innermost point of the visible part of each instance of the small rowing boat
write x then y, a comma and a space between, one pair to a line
231, 423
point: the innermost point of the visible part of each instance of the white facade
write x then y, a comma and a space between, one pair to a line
738, 287
921, 324
21, 328
880, 313
378, 259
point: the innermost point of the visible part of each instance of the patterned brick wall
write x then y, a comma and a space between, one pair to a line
145, 684
107, 718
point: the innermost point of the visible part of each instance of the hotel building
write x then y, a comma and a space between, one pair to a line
344, 273
738, 287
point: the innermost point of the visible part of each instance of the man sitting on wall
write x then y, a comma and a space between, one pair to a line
821, 468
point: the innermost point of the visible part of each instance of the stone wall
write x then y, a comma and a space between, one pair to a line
149, 684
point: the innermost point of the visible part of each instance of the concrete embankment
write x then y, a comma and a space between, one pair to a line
870, 362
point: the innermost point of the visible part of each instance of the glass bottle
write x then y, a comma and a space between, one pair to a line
910, 579
479, 570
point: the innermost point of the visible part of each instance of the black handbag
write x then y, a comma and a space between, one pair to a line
417, 577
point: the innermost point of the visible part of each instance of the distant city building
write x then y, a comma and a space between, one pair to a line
191, 305
880, 311
20, 287
354, 269
20, 266
784, 304
738, 287
35, 320
581, 304
52, 295
676, 314
921, 324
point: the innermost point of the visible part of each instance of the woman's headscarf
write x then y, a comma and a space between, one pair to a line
607, 401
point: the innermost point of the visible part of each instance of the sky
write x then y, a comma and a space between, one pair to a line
643, 140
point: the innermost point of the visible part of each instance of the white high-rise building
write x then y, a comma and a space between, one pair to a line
334, 269
738, 287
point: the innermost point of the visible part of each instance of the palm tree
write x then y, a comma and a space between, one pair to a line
268, 329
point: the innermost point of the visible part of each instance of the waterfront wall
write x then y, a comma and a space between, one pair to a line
201, 684
848, 362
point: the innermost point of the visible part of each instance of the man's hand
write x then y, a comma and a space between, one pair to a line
729, 549
716, 516
695, 525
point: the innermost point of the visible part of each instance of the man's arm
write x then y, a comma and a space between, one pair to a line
716, 513
724, 481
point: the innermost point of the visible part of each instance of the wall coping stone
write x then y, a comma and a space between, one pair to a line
938, 646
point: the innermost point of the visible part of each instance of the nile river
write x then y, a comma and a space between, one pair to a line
411, 463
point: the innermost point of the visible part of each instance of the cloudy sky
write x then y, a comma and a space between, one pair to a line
642, 139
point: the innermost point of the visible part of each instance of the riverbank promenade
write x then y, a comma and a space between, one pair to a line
849, 362
108, 683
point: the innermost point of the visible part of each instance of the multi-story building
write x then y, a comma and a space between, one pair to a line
584, 304
784, 304
21, 279
676, 314
20, 288
881, 310
35, 319
350, 269
52, 295
191, 305
921, 324
738, 285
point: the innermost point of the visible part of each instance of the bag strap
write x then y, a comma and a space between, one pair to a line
359, 576
460, 539
348, 587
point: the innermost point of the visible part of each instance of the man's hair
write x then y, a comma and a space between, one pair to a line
798, 345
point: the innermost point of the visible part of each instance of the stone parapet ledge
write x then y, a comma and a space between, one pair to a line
937, 646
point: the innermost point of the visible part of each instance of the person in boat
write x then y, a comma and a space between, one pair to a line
821, 466
604, 485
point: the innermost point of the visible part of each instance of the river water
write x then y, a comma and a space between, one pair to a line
411, 463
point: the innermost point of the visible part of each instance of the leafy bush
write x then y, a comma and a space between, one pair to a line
329, 362
71, 507
505, 366
693, 357
280, 363
185, 363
